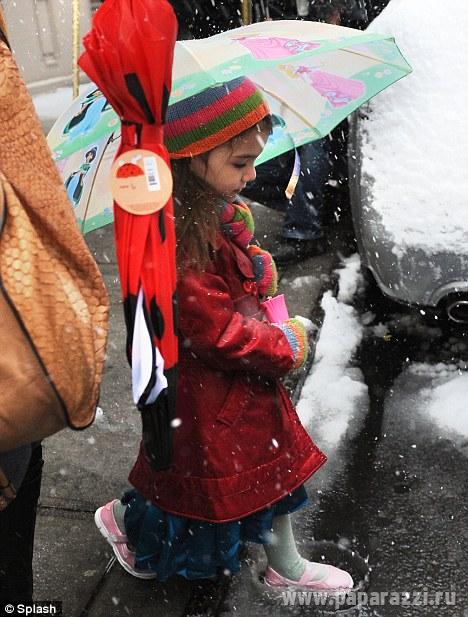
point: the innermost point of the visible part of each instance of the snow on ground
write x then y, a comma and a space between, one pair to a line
334, 388
447, 405
350, 278
301, 281
443, 403
334, 398
415, 146
51, 105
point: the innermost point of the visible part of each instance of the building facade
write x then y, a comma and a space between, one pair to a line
41, 37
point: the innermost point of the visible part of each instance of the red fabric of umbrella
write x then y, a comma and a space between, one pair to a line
128, 54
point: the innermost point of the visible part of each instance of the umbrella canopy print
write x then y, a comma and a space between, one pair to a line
84, 142
312, 74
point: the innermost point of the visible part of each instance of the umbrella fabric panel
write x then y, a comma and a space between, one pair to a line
313, 75
150, 269
89, 119
201, 63
262, 44
98, 209
145, 357
317, 101
86, 177
89, 125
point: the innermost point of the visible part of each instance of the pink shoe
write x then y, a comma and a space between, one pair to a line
329, 578
126, 558
107, 525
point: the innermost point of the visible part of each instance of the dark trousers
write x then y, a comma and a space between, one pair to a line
17, 525
304, 212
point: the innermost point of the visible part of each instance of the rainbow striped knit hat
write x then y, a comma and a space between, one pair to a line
213, 117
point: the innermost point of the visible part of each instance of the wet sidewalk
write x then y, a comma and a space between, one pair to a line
73, 563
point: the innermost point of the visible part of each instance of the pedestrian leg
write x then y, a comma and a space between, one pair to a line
17, 525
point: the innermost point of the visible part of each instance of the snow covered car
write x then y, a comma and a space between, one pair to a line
409, 162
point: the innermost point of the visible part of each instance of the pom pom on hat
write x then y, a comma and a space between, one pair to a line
213, 117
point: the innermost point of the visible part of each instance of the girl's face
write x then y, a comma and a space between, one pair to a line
229, 167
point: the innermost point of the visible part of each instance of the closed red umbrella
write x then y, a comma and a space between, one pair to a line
128, 54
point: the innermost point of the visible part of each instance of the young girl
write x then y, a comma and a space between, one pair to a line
241, 455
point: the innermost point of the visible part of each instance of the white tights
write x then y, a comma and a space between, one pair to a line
282, 553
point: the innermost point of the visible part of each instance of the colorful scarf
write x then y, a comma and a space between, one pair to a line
238, 225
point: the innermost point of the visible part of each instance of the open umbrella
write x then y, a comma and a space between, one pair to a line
128, 54
312, 74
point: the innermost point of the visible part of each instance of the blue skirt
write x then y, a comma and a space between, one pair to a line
168, 544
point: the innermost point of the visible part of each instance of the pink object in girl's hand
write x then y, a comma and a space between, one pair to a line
275, 309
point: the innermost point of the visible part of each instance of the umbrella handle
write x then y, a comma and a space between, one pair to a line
7, 490
157, 433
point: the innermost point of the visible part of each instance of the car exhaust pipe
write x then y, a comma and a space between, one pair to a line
457, 309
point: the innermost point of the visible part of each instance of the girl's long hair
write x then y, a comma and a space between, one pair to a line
197, 210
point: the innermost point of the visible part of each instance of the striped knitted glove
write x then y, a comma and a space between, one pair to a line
297, 339
265, 271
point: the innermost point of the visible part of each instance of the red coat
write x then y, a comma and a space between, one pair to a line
240, 445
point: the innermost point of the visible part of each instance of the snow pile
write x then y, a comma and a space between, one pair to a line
415, 142
350, 278
428, 402
448, 405
334, 391
301, 281
445, 400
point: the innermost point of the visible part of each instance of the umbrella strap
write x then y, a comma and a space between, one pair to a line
134, 134
289, 192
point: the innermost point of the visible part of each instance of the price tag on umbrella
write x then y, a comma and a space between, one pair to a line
141, 182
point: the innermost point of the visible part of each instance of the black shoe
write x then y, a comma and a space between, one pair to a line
292, 250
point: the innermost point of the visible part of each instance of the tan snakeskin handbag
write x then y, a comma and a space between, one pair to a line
53, 302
